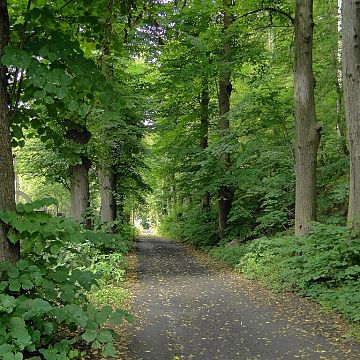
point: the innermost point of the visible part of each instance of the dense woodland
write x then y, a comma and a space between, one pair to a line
232, 125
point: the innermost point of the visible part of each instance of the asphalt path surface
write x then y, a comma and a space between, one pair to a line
188, 309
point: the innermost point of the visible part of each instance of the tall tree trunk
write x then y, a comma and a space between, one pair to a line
79, 185
204, 131
106, 175
340, 123
306, 127
107, 182
80, 193
351, 81
225, 192
340, 119
8, 251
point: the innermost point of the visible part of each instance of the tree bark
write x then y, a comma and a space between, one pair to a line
340, 122
225, 192
204, 131
80, 193
79, 184
306, 127
107, 182
8, 251
351, 81
340, 118
107, 175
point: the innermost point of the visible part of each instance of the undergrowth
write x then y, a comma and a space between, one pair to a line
194, 226
323, 266
45, 312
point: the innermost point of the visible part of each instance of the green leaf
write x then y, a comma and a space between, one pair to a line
18, 331
84, 278
109, 350
61, 274
73, 106
61, 92
13, 273
89, 335
48, 327
73, 354
21, 143
35, 307
7, 303
56, 247
36, 335
22, 264
105, 336
31, 348
12, 356
14, 285
7, 216
17, 132
103, 315
49, 100
6, 348
39, 94
26, 282
28, 207
119, 315
13, 236
67, 292
3, 285
16, 57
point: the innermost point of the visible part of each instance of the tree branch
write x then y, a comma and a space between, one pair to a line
66, 4
268, 8
17, 84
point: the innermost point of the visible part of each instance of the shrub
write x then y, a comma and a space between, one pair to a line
324, 265
45, 313
195, 226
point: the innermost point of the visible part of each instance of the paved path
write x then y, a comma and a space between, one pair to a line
187, 310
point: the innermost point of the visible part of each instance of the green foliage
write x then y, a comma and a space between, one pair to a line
110, 266
110, 294
195, 225
324, 265
43, 297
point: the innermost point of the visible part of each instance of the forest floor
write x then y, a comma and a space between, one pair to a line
190, 307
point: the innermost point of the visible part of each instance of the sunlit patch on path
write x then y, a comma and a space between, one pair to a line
187, 310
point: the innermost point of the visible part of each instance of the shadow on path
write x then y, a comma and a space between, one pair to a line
187, 310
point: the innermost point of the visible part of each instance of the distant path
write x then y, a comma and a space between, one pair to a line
188, 309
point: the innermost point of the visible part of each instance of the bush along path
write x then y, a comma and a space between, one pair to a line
187, 309
55, 302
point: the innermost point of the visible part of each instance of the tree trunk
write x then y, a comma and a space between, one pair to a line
173, 197
351, 81
107, 177
8, 251
340, 118
204, 131
306, 127
80, 193
107, 182
225, 193
340, 123
79, 185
